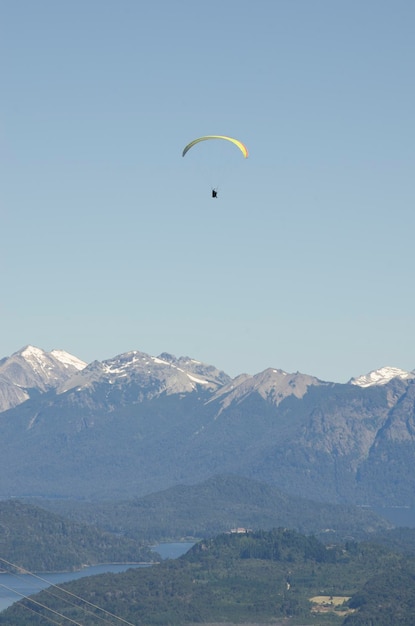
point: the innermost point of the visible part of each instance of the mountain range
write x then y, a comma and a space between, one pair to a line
136, 424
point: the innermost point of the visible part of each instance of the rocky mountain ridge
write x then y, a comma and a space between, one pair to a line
137, 424
32, 370
162, 374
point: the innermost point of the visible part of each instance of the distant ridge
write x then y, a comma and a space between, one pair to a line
381, 376
137, 424
217, 505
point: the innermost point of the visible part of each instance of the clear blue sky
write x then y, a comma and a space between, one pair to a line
110, 240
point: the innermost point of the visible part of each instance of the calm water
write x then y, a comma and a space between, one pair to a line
172, 550
26, 584
398, 515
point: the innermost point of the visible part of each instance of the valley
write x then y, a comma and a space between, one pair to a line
101, 461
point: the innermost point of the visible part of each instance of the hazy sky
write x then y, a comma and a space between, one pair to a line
110, 240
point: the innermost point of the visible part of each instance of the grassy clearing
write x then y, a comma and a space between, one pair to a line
330, 600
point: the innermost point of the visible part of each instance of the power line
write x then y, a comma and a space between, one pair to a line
41, 605
59, 597
69, 593
28, 608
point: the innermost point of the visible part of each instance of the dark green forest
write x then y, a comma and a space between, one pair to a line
256, 577
41, 541
388, 598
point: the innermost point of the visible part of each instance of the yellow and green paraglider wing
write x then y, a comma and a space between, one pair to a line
237, 143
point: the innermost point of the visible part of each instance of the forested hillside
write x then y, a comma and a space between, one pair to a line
242, 578
40, 541
217, 505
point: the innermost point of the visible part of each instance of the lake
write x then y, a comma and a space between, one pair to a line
398, 515
13, 587
173, 550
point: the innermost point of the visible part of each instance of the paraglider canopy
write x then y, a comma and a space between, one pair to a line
237, 143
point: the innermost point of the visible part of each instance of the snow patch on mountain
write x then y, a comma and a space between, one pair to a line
31, 352
199, 381
35, 357
68, 360
33, 370
150, 376
157, 359
381, 376
44, 361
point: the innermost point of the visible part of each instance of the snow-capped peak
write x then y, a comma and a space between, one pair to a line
31, 352
38, 357
32, 368
380, 376
68, 359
